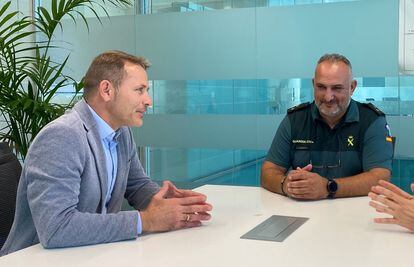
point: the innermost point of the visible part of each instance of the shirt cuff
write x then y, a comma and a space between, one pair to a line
139, 224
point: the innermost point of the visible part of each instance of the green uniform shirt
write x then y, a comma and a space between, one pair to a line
359, 142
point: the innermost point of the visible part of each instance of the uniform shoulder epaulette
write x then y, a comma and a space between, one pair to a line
374, 108
298, 107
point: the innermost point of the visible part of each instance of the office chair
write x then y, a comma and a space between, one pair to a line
10, 171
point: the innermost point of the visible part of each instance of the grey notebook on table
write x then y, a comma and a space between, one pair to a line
275, 228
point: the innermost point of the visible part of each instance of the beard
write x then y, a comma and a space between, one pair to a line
338, 109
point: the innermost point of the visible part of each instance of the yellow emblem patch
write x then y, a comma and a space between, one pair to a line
350, 140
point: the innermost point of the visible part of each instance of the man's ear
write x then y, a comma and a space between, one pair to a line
353, 86
105, 90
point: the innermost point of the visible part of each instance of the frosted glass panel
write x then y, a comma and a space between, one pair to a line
223, 78
164, 6
248, 43
270, 42
202, 45
290, 40
84, 46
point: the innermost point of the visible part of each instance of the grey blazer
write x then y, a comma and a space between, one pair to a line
63, 184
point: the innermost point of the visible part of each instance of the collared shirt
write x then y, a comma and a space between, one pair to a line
108, 138
109, 142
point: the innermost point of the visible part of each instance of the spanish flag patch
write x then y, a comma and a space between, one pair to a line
388, 136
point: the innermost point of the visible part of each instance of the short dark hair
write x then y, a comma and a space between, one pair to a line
335, 58
110, 66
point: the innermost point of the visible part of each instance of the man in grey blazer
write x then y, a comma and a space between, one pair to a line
81, 166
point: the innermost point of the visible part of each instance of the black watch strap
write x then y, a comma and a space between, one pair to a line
332, 187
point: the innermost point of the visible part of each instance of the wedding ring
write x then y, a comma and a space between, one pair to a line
188, 218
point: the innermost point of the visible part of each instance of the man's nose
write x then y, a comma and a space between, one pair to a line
329, 95
148, 100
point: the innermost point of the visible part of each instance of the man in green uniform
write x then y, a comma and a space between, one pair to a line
332, 147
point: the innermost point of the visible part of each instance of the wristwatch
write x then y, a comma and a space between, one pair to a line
332, 187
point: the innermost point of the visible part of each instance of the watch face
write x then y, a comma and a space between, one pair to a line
332, 186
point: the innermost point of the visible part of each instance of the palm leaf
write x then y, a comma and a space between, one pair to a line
29, 77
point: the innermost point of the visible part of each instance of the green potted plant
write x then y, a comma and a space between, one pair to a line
29, 77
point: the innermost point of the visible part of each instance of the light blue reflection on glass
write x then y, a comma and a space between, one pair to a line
230, 96
163, 6
393, 95
196, 166
193, 166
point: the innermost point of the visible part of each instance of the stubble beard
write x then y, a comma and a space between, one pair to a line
332, 113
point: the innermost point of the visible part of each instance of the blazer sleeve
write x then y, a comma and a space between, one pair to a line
53, 171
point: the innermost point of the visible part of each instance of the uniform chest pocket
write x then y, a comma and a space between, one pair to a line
325, 163
301, 156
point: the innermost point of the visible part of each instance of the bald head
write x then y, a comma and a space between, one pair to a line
335, 58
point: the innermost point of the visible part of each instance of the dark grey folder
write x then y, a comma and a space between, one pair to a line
275, 228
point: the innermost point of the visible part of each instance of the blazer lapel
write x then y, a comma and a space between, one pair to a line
95, 145
119, 187
100, 161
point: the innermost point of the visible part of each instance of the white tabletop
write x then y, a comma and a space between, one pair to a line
339, 232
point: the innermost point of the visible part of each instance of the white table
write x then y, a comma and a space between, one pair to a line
339, 232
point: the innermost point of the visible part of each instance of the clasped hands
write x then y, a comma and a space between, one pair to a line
173, 208
304, 184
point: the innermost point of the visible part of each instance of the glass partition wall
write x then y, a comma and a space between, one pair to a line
222, 78
168, 6
393, 95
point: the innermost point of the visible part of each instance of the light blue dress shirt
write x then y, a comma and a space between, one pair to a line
109, 142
